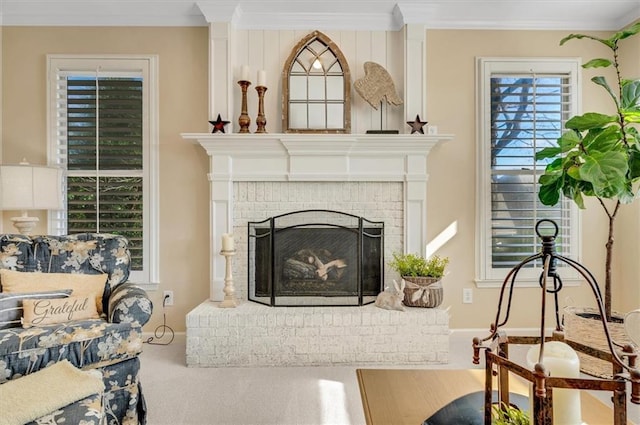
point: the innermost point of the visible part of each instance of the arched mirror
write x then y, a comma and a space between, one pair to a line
316, 88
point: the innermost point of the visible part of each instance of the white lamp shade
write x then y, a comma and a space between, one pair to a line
30, 187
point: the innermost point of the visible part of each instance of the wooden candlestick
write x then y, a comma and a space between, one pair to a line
261, 121
229, 290
244, 120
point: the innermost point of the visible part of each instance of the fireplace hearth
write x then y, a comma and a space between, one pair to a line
315, 258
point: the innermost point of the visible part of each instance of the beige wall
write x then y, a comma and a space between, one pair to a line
183, 182
626, 244
183, 76
452, 167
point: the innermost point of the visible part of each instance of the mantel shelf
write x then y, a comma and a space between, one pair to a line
316, 144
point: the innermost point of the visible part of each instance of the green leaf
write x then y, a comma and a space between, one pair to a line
610, 44
550, 194
602, 140
585, 187
569, 140
601, 81
631, 116
626, 32
597, 63
606, 172
574, 172
627, 196
579, 200
550, 152
555, 166
632, 137
589, 120
549, 178
630, 94
571, 190
634, 163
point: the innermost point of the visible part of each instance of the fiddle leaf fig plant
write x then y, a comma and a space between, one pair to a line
599, 154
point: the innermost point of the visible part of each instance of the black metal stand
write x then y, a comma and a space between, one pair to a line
623, 358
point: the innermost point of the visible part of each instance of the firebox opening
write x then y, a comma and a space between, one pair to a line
315, 258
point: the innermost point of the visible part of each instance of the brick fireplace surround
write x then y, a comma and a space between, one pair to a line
254, 177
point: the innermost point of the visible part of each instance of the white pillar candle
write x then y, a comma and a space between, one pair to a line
262, 77
244, 76
227, 242
560, 360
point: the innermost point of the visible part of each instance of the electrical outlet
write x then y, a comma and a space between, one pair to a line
467, 295
168, 297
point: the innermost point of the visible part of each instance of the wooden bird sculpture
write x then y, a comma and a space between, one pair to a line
377, 85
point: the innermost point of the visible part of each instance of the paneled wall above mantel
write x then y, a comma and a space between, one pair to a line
402, 53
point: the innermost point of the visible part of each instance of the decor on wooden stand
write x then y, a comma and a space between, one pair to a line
261, 88
555, 372
375, 87
423, 278
228, 251
244, 120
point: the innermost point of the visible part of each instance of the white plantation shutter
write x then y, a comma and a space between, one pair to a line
524, 110
102, 138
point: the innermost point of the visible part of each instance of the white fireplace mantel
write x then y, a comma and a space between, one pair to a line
315, 157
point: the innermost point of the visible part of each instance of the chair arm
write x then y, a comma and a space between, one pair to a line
129, 303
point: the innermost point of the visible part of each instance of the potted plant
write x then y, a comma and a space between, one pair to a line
508, 415
599, 154
422, 276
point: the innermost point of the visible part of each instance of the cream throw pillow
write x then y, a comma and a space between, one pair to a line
80, 284
49, 311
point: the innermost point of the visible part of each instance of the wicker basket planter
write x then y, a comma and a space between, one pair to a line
583, 325
422, 292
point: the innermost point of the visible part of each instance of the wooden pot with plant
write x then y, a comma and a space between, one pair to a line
422, 276
599, 154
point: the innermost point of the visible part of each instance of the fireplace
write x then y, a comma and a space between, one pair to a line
315, 258
381, 173
255, 176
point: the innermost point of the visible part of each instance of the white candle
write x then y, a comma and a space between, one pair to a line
227, 242
262, 78
245, 73
560, 360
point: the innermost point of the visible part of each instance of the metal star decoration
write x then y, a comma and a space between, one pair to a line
218, 124
416, 126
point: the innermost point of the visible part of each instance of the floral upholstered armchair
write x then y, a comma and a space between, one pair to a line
108, 341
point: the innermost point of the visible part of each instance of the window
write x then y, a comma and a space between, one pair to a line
523, 107
103, 115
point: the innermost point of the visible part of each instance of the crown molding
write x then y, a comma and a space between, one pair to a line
377, 15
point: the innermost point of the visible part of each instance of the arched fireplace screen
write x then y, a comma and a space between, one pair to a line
315, 258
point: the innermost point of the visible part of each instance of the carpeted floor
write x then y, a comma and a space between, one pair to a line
176, 394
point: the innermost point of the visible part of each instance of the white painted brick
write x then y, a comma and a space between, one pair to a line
203, 322
386, 330
255, 335
307, 332
332, 331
